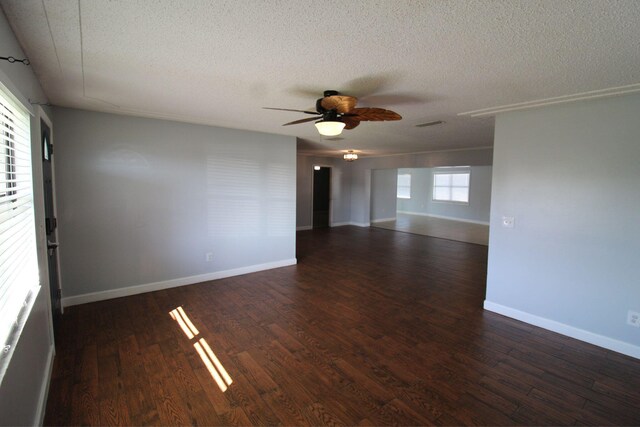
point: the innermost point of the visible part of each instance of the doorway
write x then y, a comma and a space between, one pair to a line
51, 224
321, 196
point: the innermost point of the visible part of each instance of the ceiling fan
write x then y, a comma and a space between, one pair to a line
335, 112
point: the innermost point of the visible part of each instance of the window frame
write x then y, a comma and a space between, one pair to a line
17, 195
398, 196
9, 156
451, 171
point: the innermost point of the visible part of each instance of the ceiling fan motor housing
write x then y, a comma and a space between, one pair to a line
330, 116
327, 115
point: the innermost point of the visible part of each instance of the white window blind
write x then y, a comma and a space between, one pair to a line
18, 258
451, 187
404, 186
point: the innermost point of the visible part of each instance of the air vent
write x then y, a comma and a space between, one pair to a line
424, 125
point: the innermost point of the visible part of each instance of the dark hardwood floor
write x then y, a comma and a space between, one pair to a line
372, 327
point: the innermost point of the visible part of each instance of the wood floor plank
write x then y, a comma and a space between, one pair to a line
114, 410
371, 327
136, 385
188, 386
171, 407
58, 409
235, 417
255, 374
286, 408
84, 405
242, 394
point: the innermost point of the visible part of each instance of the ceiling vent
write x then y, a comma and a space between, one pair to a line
424, 125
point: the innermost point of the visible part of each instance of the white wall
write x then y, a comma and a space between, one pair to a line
384, 191
340, 190
24, 387
570, 176
421, 201
142, 201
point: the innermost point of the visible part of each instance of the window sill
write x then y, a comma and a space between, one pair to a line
451, 202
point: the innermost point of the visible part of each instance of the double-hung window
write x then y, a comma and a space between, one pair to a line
19, 279
451, 185
404, 186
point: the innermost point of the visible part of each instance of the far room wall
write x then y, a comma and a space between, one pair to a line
421, 200
383, 194
362, 169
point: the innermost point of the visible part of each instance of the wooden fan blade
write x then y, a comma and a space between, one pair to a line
374, 114
288, 109
341, 103
310, 119
350, 122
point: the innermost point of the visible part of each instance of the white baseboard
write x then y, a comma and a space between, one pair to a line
361, 224
472, 221
357, 224
44, 388
561, 328
339, 224
373, 221
182, 281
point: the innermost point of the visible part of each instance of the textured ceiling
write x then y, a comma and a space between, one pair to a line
219, 62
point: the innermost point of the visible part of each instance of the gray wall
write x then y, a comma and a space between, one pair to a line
361, 172
420, 200
24, 387
569, 175
340, 190
384, 190
142, 201
422, 191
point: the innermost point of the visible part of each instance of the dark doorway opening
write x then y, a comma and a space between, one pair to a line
321, 196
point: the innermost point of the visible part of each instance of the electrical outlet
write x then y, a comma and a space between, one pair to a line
209, 256
508, 221
633, 318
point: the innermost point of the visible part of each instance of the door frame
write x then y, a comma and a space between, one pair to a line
42, 115
313, 177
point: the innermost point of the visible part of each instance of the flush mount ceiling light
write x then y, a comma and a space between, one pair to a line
350, 156
330, 128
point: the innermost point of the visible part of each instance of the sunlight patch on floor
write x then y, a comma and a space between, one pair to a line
209, 358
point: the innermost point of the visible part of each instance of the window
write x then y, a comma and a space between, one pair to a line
9, 182
404, 186
451, 186
19, 279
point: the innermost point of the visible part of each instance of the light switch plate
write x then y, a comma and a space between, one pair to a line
633, 318
508, 222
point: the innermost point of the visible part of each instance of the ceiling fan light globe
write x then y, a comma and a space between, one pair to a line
330, 128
